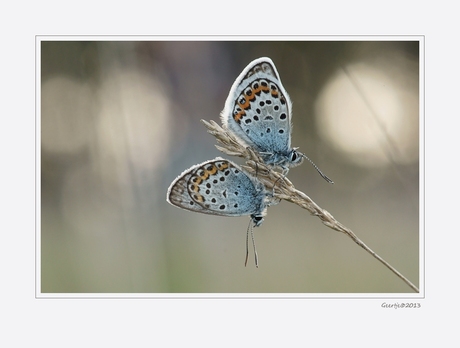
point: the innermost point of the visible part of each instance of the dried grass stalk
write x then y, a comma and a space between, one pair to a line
284, 189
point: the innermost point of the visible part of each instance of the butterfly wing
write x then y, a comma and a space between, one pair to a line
217, 187
258, 108
178, 194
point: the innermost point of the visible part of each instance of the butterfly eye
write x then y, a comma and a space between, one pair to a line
295, 157
257, 219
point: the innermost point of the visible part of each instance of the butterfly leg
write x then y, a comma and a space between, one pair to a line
284, 173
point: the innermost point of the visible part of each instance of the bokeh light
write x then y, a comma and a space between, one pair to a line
370, 113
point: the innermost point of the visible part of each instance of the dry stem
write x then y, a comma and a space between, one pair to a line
284, 188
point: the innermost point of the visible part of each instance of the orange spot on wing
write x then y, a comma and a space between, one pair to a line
194, 188
223, 166
211, 170
264, 88
239, 116
197, 180
198, 198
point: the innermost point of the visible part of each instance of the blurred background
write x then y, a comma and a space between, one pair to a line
119, 121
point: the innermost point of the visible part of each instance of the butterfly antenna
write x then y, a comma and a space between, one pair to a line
256, 259
319, 171
247, 242
250, 227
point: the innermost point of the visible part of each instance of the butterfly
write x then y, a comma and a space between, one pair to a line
258, 112
220, 187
